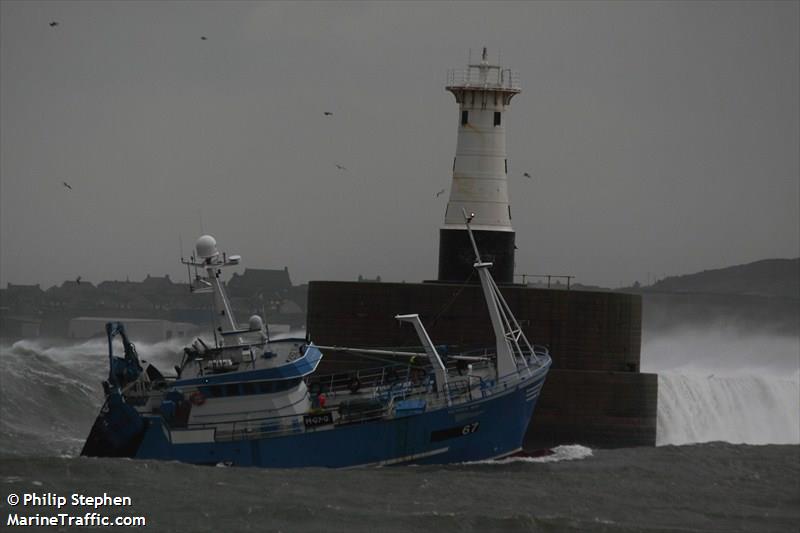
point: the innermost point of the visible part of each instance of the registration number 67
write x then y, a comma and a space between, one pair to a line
470, 428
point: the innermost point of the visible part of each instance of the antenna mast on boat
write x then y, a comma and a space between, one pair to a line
210, 259
511, 343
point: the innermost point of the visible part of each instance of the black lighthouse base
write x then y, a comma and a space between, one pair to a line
456, 256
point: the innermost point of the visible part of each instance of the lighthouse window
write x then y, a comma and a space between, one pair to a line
506, 166
464, 118
497, 118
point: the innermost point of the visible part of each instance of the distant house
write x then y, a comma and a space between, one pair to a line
154, 296
157, 284
257, 281
119, 287
22, 298
159, 291
71, 294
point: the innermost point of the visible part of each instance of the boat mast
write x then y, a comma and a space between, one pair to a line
508, 334
209, 258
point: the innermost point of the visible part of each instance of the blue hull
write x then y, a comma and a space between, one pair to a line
481, 429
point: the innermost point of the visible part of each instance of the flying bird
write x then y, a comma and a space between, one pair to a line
438, 194
527, 175
67, 185
203, 38
328, 113
340, 167
54, 24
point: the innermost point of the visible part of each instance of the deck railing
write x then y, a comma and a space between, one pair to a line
488, 78
386, 385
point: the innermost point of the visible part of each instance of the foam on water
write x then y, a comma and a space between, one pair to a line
566, 452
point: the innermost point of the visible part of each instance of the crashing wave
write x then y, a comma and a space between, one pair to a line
751, 409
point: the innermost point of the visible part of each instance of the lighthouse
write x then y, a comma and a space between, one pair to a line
479, 188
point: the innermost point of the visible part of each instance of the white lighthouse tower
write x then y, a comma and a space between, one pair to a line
480, 173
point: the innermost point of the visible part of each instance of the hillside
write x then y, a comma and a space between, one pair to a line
778, 278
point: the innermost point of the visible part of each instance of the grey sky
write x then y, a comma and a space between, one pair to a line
662, 137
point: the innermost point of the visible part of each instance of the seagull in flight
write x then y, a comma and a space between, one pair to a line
328, 113
527, 175
67, 185
438, 194
54, 24
340, 167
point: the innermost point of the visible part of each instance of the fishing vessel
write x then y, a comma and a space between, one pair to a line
247, 400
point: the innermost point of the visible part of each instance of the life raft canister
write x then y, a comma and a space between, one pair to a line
197, 398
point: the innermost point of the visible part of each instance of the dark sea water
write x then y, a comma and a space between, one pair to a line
49, 396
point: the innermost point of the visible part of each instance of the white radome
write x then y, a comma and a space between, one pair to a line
206, 247
255, 323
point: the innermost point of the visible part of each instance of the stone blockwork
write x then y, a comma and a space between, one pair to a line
584, 330
599, 409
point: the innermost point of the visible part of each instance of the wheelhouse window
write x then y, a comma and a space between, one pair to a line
249, 388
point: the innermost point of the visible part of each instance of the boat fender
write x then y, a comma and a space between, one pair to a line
197, 398
354, 385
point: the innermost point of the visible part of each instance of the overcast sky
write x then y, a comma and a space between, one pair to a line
662, 137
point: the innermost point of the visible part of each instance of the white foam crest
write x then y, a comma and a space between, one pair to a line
743, 409
21, 369
93, 353
63, 352
163, 355
565, 452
